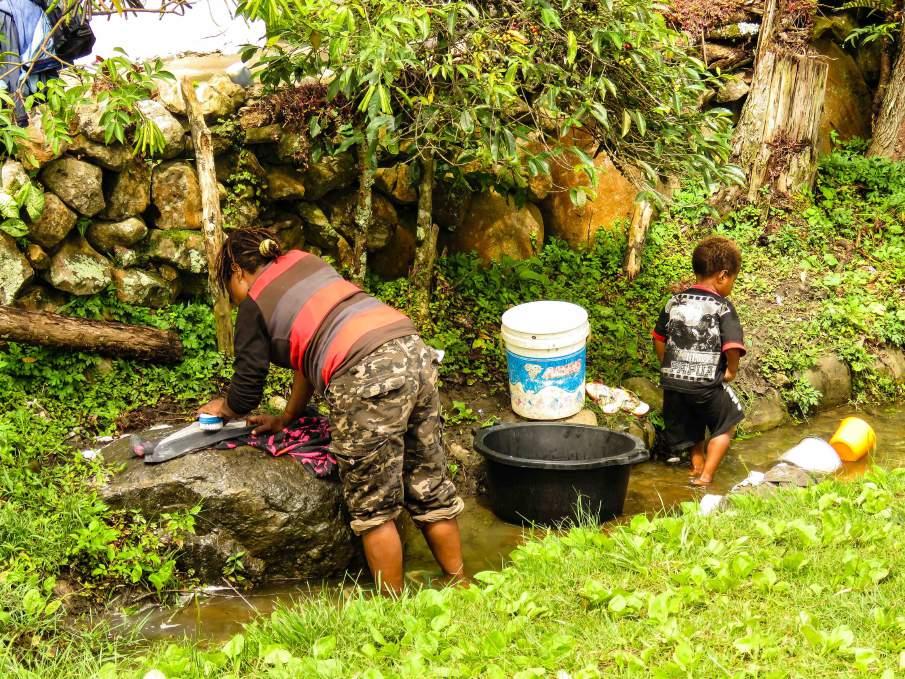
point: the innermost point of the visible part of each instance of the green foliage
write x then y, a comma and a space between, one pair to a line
492, 89
801, 582
52, 522
28, 198
113, 84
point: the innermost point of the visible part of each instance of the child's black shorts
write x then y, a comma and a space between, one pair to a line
687, 416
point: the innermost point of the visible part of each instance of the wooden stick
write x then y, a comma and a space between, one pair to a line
104, 337
212, 217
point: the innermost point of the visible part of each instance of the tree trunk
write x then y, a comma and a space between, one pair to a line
637, 234
426, 248
889, 131
104, 337
364, 213
776, 138
213, 219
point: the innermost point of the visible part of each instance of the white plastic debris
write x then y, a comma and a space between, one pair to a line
104, 439
90, 454
814, 455
710, 503
674, 460
441, 354
239, 74
753, 479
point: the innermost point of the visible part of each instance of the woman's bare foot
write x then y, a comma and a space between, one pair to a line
702, 481
693, 472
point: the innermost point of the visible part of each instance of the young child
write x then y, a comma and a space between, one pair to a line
698, 339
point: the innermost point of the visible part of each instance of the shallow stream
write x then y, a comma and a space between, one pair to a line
486, 541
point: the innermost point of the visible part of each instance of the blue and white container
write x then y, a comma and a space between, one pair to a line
210, 422
546, 351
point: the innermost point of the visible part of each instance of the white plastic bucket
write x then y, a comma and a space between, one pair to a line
814, 455
546, 352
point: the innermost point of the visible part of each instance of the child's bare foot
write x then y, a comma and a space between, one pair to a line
702, 480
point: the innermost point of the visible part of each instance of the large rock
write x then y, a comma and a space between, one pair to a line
396, 259
342, 207
110, 156
397, 182
129, 192
765, 412
134, 286
496, 226
328, 174
181, 248
37, 257
317, 227
13, 176
15, 271
77, 183
79, 269
219, 96
289, 523
290, 231
647, 391
451, 206
36, 297
107, 235
832, 378
54, 224
172, 130
35, 151
88, 120
891, 363
284, 183
613, 200
848, 104
177, 196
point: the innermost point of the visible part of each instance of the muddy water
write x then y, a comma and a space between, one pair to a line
487, 541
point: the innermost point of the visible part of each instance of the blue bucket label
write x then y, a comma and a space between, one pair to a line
547, 388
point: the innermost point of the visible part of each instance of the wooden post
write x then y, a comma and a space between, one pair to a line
364, 213
889, 129
426, 243
637, 234
104, 337
212, 218
775, 141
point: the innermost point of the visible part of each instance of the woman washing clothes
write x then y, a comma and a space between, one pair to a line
374, 371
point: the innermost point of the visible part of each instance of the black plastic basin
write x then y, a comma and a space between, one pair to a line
545, 472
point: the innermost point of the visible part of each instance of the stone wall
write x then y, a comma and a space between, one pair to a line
111, 219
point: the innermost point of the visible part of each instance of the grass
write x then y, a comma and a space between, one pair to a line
802, 583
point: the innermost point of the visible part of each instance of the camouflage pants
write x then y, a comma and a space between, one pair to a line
385, 414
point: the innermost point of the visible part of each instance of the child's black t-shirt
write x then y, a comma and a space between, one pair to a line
697, 325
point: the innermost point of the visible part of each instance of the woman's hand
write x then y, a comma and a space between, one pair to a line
267, 423
218, 408
214, 407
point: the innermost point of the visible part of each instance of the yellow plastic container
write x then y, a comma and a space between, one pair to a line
853, 439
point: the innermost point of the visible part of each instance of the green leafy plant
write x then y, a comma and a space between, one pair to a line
27, 197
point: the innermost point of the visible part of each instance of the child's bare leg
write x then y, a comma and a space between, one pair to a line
716, 450
697, 459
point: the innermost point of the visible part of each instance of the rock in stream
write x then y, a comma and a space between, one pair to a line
290, 524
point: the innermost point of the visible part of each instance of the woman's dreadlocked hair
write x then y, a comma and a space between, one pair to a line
250, 249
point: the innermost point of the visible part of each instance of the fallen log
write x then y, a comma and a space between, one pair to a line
104, 337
